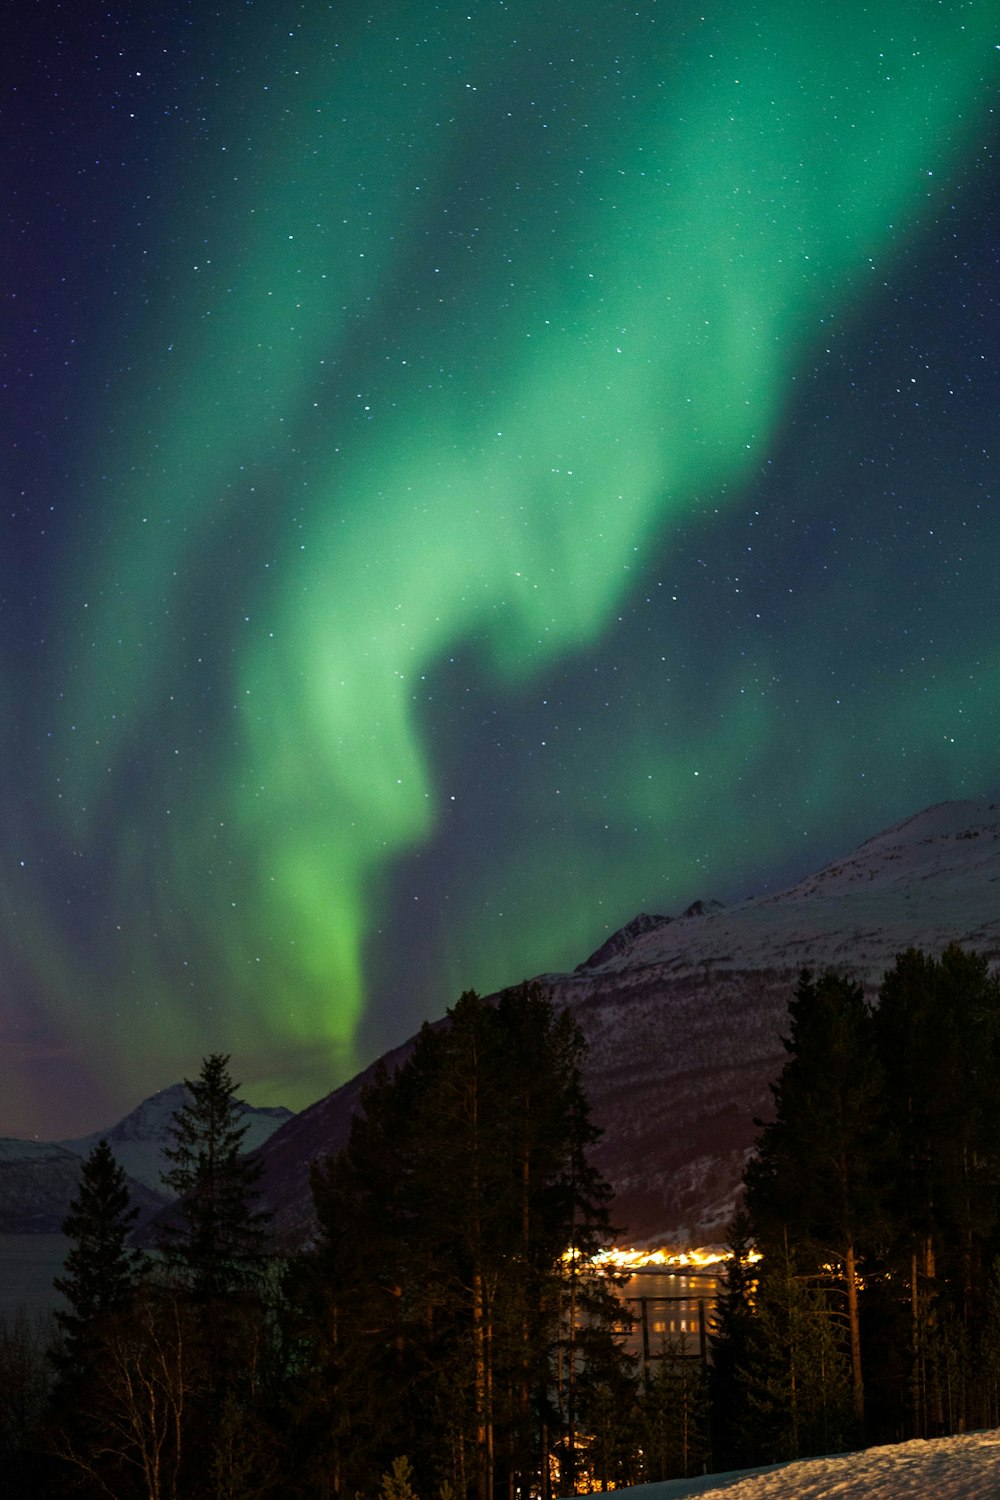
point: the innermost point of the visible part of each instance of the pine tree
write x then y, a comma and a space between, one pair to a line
937, 1029
731, 1426
215, 1264
673, 1413
814, 1178
798, 1382
398, 1483
101, 1270
989, 1351
214, 1245
102, 1286
444, 1224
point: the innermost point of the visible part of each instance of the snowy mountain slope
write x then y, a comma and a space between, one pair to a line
935, 873
38, 1178
138, 1140
684, 1023
37, 1181
684, 1016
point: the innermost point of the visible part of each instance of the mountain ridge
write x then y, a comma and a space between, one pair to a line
39, 1178
684, 1016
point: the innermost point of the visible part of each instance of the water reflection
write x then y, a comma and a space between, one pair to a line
672, 1312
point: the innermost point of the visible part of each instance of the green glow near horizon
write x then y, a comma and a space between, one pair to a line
371, 423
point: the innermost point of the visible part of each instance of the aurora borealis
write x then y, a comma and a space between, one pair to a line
471, 473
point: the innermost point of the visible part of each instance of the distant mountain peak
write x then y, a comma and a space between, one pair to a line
619, 941
702, 908
38, 1178
137, 1140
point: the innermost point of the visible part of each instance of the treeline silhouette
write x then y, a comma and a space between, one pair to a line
447, 1334
874, 1200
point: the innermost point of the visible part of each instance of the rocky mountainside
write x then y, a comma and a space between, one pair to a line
684, 1017
38, 1178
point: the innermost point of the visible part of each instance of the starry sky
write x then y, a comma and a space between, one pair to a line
471, 472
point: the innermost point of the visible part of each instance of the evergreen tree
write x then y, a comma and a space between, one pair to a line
215, 1264
732, 1427
398, 1483
101, 1270
797, 1378
444, 1225
674, 1416
814, 1180
937, 1029
215, 1243
102, 1285
988, 1369
357, 1298
884, 1154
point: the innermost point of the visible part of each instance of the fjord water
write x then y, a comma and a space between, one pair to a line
28, 1263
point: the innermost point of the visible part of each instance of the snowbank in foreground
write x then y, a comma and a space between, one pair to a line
957, 1468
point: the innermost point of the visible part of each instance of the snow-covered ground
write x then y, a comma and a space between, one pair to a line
956, 1468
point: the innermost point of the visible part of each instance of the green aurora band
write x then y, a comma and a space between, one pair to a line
450, 330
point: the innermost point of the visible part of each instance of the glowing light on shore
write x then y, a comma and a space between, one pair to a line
705, 1257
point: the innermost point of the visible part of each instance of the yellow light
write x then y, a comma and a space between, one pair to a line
617, 1258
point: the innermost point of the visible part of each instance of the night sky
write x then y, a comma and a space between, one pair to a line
470, 473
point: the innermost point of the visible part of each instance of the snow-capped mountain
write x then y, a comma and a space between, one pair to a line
39, 1178
137, 1142
684, 1022
684, 1016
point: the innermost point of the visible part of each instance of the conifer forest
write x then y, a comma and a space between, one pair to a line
449, 1333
